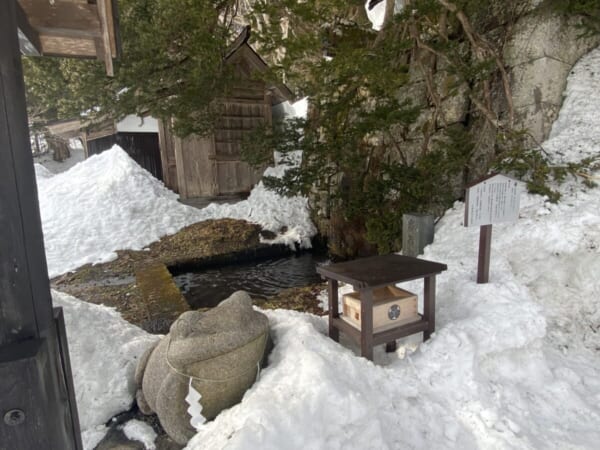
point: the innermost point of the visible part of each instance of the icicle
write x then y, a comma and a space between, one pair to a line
195, 409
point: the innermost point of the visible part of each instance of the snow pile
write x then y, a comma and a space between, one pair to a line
41, 172
108, 203
104, 350
287, 216
575, 134
513, 365
103, 204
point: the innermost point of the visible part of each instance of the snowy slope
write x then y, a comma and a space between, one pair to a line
104, 350
108, 202
514, 363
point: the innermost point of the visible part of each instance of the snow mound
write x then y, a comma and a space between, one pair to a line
575, 134
513, 363
42, 172
106, 203
104, 350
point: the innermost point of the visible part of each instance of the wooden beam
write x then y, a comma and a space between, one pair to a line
69, 47
62, 14
105, 11
35, 407
29, 32
25, 310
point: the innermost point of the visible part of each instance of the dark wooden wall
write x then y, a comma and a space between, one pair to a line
35, 382
143, 148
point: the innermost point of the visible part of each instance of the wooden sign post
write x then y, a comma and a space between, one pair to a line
493, 199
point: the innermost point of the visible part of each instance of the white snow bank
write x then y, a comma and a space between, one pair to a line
576, 133
103, 204
104, 350
287, 216
513, 365
108, 203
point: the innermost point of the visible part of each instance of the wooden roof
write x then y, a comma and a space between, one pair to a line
240, 49
70, 28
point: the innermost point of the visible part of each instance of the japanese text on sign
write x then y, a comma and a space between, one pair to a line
493, 200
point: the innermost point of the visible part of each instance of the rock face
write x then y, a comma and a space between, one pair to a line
537, 51
219, 351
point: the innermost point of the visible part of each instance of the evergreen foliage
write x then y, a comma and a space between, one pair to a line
358, 165
172, 67
361, 166
588, 10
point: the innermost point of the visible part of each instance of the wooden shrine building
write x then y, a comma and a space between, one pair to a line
211, 166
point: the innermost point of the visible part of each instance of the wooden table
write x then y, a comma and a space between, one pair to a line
367, 274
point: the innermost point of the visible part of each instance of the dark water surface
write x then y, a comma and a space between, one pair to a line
261, 279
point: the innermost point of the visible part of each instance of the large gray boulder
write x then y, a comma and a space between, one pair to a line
219, 350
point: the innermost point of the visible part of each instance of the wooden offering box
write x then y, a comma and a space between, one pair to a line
392, 307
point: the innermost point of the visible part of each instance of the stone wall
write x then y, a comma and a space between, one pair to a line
538, 52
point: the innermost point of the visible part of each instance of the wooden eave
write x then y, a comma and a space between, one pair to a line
70, 28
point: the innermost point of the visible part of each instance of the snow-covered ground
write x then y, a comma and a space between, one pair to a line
108, 202
46, 160
514, 364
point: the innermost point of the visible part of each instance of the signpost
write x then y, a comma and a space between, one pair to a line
493, 199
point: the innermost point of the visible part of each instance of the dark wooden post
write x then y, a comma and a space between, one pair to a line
34, 410
366, 323
332, 287
485, 247
429, 305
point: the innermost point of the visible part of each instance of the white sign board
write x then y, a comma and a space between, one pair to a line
492, 200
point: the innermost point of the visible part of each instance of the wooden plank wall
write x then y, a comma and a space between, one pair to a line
195, 168
167, 156
247, 109
212, 166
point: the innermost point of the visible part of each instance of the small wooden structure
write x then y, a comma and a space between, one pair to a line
368, 274
37, 396
210, 166
392, 307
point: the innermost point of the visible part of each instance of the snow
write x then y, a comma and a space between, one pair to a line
45, 159
103, 204
575, 134
137, 124
108, 203
137, 430
513, 364
104, 349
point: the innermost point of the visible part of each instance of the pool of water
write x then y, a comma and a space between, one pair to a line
261, 279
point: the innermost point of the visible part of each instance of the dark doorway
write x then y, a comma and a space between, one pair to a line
143, 148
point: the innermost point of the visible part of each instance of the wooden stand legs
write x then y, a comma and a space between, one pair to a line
429, 306
366, 314
332, 294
